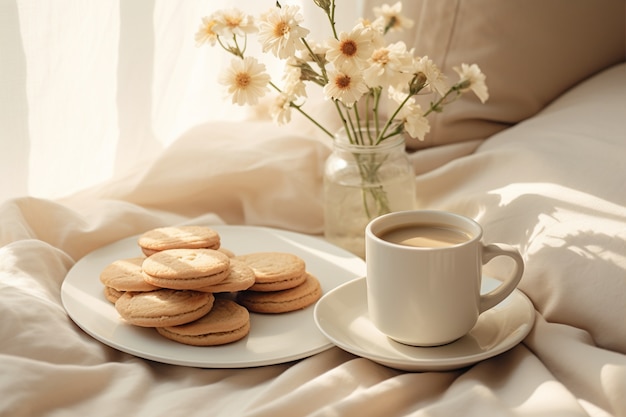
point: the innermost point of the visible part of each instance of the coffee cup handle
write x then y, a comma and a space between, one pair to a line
495, 296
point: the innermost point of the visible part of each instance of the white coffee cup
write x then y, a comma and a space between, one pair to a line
426, 292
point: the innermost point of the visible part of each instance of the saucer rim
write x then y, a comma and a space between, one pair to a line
510, 340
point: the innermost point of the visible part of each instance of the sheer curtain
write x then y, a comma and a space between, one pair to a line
89, 89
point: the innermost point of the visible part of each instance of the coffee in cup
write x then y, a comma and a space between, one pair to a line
424, 272
425, 236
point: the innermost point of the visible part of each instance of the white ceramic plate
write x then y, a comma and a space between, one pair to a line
342, 316
273, 338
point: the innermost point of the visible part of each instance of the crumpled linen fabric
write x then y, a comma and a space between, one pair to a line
552, 186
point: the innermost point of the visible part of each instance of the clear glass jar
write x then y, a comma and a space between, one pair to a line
362, 182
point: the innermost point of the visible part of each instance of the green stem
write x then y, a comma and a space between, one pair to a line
358, 129
343, 121
436, 105
367, 112
331, 18
354, 132
302, 112
390, 120
312, 120
377, 95
315, 58
245, 45
368, 170
235, 50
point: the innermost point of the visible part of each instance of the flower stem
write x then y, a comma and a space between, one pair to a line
368, 170
390, 120
302, 112
331, 18
368, 97
352, 130
343, 121
317, 60
357, 129
436, 106
311, 119
376, 93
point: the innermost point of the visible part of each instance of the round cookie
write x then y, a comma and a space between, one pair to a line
226, 252
111, 294
275, 271
186, 269
227, 322
164, 307
177, 237
241, 277
283, 301
126, 275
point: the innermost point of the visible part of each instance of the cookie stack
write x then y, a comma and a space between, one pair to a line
193, 291
282, 283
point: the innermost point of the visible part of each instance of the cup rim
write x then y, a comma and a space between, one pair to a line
404, 218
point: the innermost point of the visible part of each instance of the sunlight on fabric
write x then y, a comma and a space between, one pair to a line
549, 398
613, 379
560, 206
569, 199
593, 409
25, 288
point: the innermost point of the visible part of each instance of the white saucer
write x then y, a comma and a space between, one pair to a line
342, 316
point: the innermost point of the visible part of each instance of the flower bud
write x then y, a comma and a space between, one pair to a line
323, 4
464, 85
417, 83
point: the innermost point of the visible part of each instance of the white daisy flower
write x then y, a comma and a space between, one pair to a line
293, 78
389, 65
280, 109
352, 48
280, 31
246, 80
393, 18
375, 29
435, 79
233, 22
411, 115
206, 32
476, 80
346, 85
415, 124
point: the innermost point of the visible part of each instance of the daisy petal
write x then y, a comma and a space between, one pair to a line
476, 79
346, 85
246, 80
280, 31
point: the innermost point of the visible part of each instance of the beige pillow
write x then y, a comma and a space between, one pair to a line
530, 50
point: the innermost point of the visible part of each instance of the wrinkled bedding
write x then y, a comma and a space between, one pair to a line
554, 186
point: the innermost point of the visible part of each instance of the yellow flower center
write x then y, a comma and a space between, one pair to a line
209, 28
348, 47
233, 21
342, 82
381, 56
242, 79
281, 29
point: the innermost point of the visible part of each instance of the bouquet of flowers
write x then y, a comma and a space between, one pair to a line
355, 69
358, 71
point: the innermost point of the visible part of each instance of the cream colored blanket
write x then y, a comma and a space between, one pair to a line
554, 186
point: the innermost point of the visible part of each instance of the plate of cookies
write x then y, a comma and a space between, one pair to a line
209, 296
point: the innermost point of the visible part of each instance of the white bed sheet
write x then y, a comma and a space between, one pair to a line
554, 186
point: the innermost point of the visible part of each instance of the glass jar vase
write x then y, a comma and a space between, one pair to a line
362, 182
